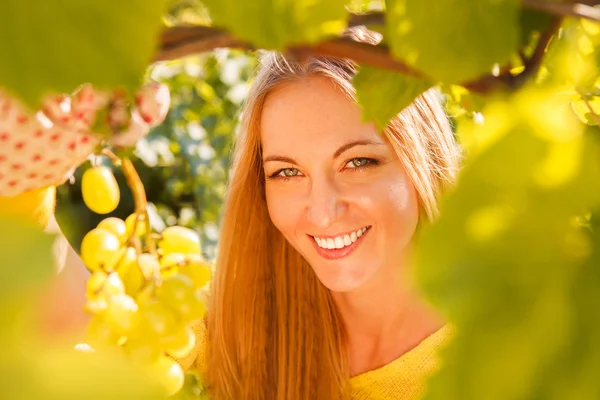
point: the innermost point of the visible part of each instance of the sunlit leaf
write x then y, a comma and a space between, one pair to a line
500, 260
383, 94
453, 41
275, 25
55, 46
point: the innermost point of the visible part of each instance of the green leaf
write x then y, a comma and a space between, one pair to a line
582, 109
269, 24
502, 260
453, 40
55, 46
532, 21
27, 256
383, 94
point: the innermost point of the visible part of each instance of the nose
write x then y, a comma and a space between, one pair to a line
325, 204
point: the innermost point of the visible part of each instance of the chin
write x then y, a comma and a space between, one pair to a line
342, 279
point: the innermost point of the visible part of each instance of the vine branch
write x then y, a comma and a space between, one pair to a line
533, 63
583, 9
186, 40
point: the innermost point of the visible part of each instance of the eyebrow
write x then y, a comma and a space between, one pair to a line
337, 153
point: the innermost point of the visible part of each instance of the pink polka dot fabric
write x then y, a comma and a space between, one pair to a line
43, 148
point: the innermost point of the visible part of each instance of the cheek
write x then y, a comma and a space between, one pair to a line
282, 210
403, 210
395, 207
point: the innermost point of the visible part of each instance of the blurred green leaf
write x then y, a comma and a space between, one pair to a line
275, 25
532, 21
55, 46
453, 41
27, 257
502, 260
383, 94
65, 374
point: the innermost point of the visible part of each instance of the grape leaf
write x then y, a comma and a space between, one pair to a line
501, 260
55, 46
275, 25
383, 94
453, 40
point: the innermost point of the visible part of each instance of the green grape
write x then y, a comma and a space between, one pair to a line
179, 293
95, 282
140, 229
130, 272
149, 265
172, 260
100, 249
169, 373
193, 308
197, 270
96, 304
100, 190
175, 289
121, 313
116, 226
100, 333
178, 239
143, 349
127, 260
113, 285
133, 280
181, 343
170, 264
157, 318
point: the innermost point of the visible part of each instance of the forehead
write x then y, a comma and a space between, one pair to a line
309, 111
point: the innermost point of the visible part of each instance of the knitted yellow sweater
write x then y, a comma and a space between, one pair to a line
403, 379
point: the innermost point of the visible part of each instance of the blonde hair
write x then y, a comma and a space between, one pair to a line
273, 329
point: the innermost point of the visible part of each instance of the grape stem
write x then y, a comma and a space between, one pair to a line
139, 199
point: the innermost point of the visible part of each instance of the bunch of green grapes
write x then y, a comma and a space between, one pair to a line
145, 291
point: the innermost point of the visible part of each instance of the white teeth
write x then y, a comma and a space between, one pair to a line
347, 241
340, 241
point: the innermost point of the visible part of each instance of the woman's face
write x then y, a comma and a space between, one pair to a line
334, 186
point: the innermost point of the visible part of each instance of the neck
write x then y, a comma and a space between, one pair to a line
383, 320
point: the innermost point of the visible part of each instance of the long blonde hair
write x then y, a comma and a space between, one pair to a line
273, 329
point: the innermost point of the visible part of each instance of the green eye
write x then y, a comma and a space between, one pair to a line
290, 172
360, 162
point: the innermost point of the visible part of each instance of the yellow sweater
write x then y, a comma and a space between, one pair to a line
403, 379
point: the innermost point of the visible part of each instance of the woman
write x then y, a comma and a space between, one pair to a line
312, 297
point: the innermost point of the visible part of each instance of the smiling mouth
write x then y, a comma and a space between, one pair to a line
340, 246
